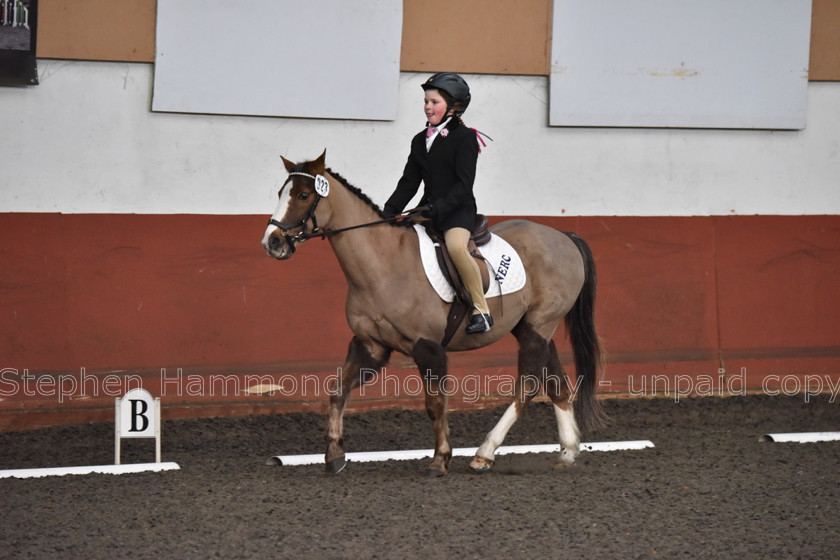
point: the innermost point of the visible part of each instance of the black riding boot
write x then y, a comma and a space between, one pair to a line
479, 323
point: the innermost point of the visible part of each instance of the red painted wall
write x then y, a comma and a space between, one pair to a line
680, 299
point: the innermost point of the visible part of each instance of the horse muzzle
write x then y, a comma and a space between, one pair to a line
278, 246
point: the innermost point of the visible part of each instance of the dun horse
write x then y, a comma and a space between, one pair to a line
391, 306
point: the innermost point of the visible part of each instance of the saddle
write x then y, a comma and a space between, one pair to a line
462, 304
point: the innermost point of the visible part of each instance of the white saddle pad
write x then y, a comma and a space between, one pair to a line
504, 264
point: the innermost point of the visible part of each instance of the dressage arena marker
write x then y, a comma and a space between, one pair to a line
136, 415
410, 454
132, 420
801, 437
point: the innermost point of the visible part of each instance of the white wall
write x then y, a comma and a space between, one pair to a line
84, 140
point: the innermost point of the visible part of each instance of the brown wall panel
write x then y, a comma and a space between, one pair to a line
477, 36
97, 29
825, 41
471, 36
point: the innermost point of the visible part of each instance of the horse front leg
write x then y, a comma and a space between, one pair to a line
359, 366
430, 358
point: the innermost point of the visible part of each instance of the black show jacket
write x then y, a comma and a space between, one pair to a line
447, 171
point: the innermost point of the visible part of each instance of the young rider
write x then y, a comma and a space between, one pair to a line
443, 156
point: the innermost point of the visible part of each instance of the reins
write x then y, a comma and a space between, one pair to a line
326, 232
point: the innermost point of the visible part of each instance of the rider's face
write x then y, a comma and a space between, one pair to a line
434, 105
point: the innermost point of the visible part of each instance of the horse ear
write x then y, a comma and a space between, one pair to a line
287, 163
319, 164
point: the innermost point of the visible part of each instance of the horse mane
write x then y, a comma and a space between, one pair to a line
365, 198
355, 190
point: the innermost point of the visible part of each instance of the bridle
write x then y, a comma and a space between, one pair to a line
303, 235
316, 231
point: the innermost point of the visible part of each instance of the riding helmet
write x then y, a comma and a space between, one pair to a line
454, 85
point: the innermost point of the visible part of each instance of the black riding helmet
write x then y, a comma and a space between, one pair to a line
454, 85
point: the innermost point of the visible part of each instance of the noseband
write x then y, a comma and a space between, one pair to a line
303, 235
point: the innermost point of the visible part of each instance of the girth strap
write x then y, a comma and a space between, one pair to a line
457, 312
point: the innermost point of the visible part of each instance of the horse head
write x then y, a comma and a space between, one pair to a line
301, 213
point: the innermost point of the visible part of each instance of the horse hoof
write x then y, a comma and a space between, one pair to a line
480, 465
432, 472
438, 467
567, 458
336, 465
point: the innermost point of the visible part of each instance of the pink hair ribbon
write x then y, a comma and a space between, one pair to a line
478, 135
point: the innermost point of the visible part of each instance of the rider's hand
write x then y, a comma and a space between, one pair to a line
421, 213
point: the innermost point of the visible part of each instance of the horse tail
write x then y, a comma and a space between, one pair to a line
589, 356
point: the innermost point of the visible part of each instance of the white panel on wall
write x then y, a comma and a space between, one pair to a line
295, 58
680, 63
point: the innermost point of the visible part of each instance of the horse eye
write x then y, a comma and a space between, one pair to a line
303, 195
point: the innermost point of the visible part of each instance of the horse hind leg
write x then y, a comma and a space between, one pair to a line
430, 358
532, 364
557, 389
358, 367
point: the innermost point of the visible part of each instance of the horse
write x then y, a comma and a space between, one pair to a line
391, 306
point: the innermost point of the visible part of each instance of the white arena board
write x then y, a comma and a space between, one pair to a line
684, 64
296, 58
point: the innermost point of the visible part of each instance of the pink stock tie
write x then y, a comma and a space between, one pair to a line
430, 130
